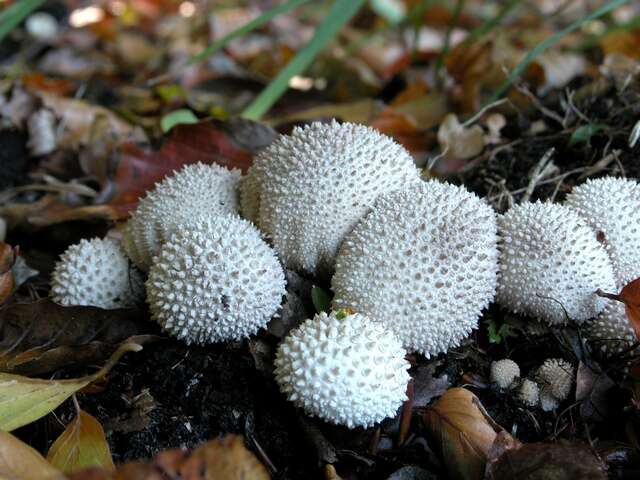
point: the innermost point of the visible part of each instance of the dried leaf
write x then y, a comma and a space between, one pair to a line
461, 432
21, 462
426, 386
81, 445
630, 296
594, 391
24, 400
8, 256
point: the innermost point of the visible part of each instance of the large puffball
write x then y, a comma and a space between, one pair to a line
307, 190
214, 280
611, 206
551, 264
345, 369
195, 190
96, 272
423, 262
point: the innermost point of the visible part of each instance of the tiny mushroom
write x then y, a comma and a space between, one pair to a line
343, 368
96, 272
529, 393
504, 372
195, 190
424, 263
555, 379
214, 280
307, 190
551, 264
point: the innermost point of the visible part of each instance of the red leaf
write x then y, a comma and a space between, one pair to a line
630, 296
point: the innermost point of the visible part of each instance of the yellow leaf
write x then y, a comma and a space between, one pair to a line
81, 445
19, 461
24, 400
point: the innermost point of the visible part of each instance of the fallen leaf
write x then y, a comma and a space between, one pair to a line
81, 445
593, 390
630, 296
177, 117
547, 461
458, 143
24, 400
21, 462
461, 433
8, 256
426, 386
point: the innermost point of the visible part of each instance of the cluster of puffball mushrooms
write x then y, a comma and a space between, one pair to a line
413, 263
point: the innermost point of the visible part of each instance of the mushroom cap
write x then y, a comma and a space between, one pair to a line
195, 190
547, 401
424, 263
611, 332
551, 264
529, 393
307, 190
555, 377
215, 279
345, 369
611, 206
504, 372
96, 272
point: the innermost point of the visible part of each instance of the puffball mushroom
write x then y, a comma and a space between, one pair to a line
96, 272
611, 206
343, 368
423, 262
555, 379
529, 393
611, 331
307, 190
215, 279
195, 190
504, 372
551, 264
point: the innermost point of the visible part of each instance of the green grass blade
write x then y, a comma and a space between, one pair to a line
541, 47
492, 23
257, 22
341, 12
12, 16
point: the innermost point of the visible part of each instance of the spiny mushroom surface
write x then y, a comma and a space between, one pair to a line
529, 393
612, 207
610, 332
555, 377
551, 264
547, 401
504, 372
195, 190
307, 190
424, 263
345, 369
96, 272
215, 280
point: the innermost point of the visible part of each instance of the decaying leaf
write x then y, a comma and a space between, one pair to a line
21, 462
8, 256
461, 432
23, 399
630, 296
458, 142
426, 386
593, 389
547, 461
81, 445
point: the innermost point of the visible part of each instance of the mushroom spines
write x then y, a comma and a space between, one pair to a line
215, 279
307, 190
555, 377
504, 372
423, 262
529, 393
96, 272
195, 190
343, 368
551, 264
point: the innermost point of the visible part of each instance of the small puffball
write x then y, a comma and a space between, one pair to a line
504, 372
214, 280
548, 402
96, 272
343, 368
555, 377
551, 264
529, 393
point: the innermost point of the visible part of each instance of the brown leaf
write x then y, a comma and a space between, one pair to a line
461, 432
547, 461
21, 462
8, 256
593, 390
630, 296
81, 445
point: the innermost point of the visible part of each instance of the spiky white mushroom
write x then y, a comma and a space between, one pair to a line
529, 393
307, 190
195, 190
96, 272
343, 368
504, 372
611, 331
214, 280
551, 264
547, 401
424, 263
555, 377
611, 206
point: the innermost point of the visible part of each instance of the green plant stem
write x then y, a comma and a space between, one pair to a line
16, 13
342, 11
